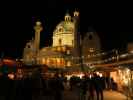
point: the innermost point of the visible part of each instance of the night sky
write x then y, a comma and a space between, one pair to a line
112, 21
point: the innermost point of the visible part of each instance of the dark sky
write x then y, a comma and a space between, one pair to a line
112, 21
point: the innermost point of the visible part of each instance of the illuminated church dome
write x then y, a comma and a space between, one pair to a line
64, 27
64, 32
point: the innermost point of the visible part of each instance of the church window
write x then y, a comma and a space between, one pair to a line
48, 61
68, 52
66, 18
58, 61
28, 46
68, 63
44, 61
90, 37
60, 41
72, 43
60, 30
64, 49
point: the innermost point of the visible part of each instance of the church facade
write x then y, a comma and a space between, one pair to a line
68, 48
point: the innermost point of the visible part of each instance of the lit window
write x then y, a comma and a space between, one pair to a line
48, 61
91, 49
68, 63
68, 52
58, 61
44, 61
64, 49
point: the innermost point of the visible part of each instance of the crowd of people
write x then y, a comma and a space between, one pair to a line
52, 88
89, 87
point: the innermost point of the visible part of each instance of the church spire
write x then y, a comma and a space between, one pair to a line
76, 13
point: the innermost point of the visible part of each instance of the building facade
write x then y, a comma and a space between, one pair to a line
67, 48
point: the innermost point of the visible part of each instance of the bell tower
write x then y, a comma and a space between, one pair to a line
77, 39
76, 29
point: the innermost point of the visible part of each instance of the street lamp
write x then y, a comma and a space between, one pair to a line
117, 55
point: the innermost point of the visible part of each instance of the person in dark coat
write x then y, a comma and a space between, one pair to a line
91, 88
98, 86
4, 86
58, 87
83, 87
27, 88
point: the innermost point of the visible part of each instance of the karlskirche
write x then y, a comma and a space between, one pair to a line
68, 49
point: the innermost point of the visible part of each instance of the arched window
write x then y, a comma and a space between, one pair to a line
28, 46
68, 63
90, 37
60, 29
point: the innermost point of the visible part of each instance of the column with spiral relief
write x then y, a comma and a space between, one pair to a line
38, 28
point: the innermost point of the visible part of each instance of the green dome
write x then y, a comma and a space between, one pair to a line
64, 27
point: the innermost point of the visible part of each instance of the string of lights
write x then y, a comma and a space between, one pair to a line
93, 55
107, 60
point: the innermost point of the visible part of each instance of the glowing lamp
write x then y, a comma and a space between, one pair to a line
38, 23
11, 76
